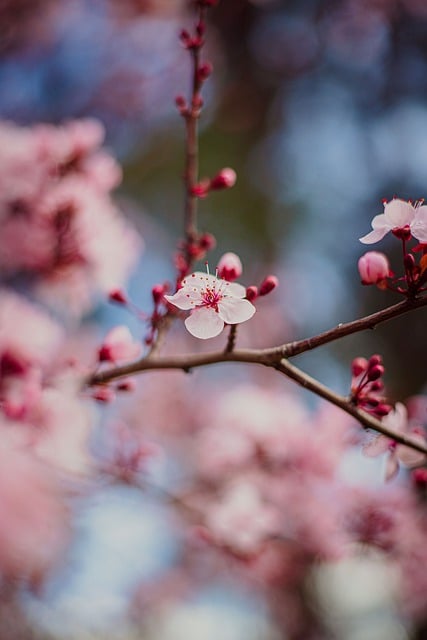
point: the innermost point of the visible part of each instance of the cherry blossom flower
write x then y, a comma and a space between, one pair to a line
399, 214
397, 453
213, 302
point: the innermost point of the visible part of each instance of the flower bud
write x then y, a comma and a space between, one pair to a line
158, 291
377, 386
204, 71
419, 477
382, 410
103, 394
117, 296
251, 293
207, 241
359, 366
268, 284
374, 360
373, 267
375, 372
229, 267
225, 179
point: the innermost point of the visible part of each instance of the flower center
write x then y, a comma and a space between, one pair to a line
211, 297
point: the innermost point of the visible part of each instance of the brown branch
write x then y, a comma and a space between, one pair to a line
348, 328
274, 358
268, 357
368, 422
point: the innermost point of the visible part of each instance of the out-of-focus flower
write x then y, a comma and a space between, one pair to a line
397, 453
398, 215
242, 521
119, 345
60, 226
35, 524
373, 267
213, 303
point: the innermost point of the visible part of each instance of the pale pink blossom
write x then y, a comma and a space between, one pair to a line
373, 267
242, 520
397, 453
213, 302
229, 267
119, 344
397, 215
35, 521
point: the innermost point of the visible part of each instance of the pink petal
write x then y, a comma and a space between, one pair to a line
408, 456
376, 446
399, 213
235, 310
204, 322
391, 467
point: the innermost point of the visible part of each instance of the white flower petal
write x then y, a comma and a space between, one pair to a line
399, 213
204, 322
380, 227
185, 299
199, 280
234, 289
235, 310
419, 224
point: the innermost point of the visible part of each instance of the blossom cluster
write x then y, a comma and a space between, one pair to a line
60, 227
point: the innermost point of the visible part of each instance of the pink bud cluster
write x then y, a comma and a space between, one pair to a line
191, 251
267, 286
367, 386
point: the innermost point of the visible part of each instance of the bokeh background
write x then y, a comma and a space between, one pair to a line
321, 108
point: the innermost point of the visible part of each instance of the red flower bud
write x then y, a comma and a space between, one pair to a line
204, 71
375, 372
207, 241
268, 284
117, 296
375, 359
251, 293
229, 267
225, 179
158, 291
359, 366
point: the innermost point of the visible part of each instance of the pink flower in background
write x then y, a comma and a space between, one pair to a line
213, 302
242, 520
397, 453
373, 267
119, 345
60, 225
399, 214
35, 522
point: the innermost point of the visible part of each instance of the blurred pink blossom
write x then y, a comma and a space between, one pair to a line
397, 453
